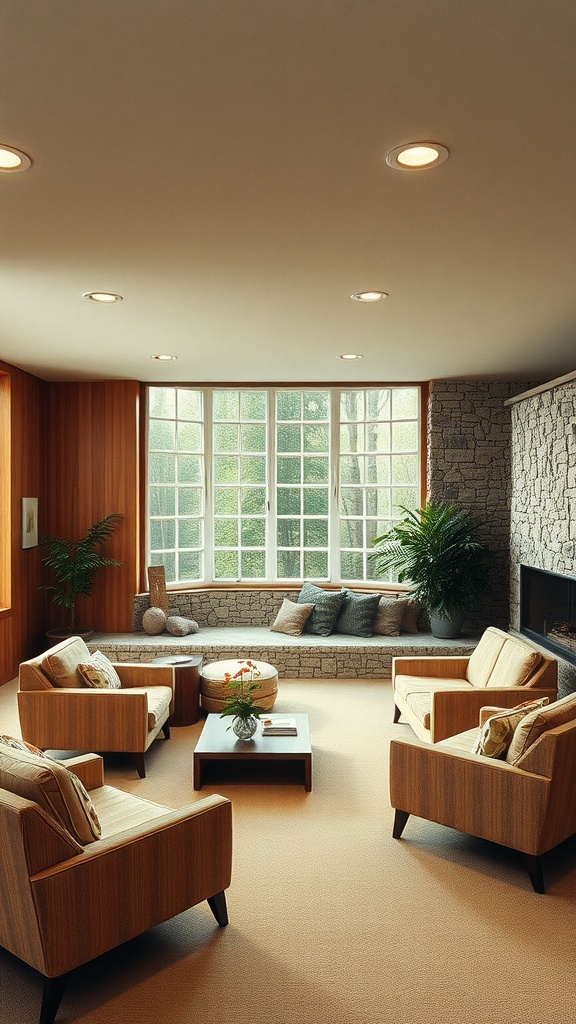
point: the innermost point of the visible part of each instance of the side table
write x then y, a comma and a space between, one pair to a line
187, 679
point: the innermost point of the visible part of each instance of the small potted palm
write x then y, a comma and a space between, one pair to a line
436, 550
239, 704
74, 564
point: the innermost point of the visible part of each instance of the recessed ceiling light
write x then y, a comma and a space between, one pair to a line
164, 359
104, 297
417, 155
350, 355
373, 296
13, 159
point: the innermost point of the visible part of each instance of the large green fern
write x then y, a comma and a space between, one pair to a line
436, 550
74, 563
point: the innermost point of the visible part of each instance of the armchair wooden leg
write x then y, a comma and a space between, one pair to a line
138, 760
396, 717
218, 907
534, 866
52, 997
166, 729
400, 819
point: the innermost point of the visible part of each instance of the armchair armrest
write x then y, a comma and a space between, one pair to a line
144, 674
174, 862
89, 768
453, 711
482, 796
76, 719
451, 666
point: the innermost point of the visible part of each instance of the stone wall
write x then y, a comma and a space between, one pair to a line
543, 525
469, 455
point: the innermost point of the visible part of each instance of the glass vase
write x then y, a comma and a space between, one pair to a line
245, 727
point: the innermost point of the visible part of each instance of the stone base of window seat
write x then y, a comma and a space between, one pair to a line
304, 657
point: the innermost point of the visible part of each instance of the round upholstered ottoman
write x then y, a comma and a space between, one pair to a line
213, 692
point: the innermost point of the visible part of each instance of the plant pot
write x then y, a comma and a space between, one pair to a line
447, 628
56, 635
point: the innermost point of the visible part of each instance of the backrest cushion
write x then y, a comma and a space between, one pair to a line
515, 664
291, 618
484, 656
56, 790
357, 614
61, 662
496, 734
327, 605
389, 617
538, 722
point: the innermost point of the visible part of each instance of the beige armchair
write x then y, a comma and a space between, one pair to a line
58, 712
63, 903
527, 805
442, 696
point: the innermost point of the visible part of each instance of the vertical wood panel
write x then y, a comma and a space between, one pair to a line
93, 470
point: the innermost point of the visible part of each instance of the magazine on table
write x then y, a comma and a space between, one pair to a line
278, 725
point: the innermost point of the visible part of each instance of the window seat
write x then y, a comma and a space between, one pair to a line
326, 657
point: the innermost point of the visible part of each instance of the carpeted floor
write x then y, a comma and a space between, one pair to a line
331, 920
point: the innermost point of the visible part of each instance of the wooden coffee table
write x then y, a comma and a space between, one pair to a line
217, 743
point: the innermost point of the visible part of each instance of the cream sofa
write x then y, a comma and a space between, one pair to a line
522, 799
442, 696
63, 893
57, 712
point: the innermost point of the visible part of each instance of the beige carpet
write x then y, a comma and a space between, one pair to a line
330, 918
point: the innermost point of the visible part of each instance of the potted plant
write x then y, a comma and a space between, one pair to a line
239, 704
74, 564
437, 551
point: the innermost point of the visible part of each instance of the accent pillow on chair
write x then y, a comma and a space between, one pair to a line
99, 673
538, 721
496, 734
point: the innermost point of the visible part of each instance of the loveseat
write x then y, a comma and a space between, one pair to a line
442, 696
69, 845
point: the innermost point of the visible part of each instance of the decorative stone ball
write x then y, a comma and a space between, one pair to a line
154, 621
179, 626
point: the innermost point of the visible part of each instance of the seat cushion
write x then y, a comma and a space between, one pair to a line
539, 721
159, 698
56, 790
484, 656
61, 663
417, 692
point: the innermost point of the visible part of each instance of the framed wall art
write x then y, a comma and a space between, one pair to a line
29, 522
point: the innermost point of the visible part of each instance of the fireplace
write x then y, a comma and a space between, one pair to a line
548, 610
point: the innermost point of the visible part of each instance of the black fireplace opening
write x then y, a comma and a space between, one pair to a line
548, 610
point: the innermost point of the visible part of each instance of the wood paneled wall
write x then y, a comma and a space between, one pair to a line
21, 624
92, 469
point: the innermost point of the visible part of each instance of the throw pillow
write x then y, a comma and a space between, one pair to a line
177, 625
103, 665
15, 744
92, 677
496, 734
357, 614
327, 605
291, 618
53, 787
539, 721
409, 622
154, 621
389, 615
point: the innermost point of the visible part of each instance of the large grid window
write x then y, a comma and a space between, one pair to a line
278, 485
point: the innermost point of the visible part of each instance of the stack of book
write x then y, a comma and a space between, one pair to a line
275, 725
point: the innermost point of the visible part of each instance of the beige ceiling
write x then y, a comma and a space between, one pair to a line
221, 164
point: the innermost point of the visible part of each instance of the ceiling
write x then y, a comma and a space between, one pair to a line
221, 165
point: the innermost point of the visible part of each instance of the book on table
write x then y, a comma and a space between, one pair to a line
277, 725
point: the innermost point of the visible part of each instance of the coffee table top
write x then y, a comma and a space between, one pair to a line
218, 739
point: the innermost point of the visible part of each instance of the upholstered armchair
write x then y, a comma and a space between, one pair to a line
63, 893
523, 798
59, 711
440, 696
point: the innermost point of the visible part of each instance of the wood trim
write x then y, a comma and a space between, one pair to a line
5, 492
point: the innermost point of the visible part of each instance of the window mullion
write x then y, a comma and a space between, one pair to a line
334, 496
271, 498
208, 488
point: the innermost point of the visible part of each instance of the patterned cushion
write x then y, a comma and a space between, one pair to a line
92, 677
357, 614
53, 787
61, 666
104, 666
15, 744
177, 625
291, 618
539, 721
409, 616
496, 734
327, 605
154, 621
389, 616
